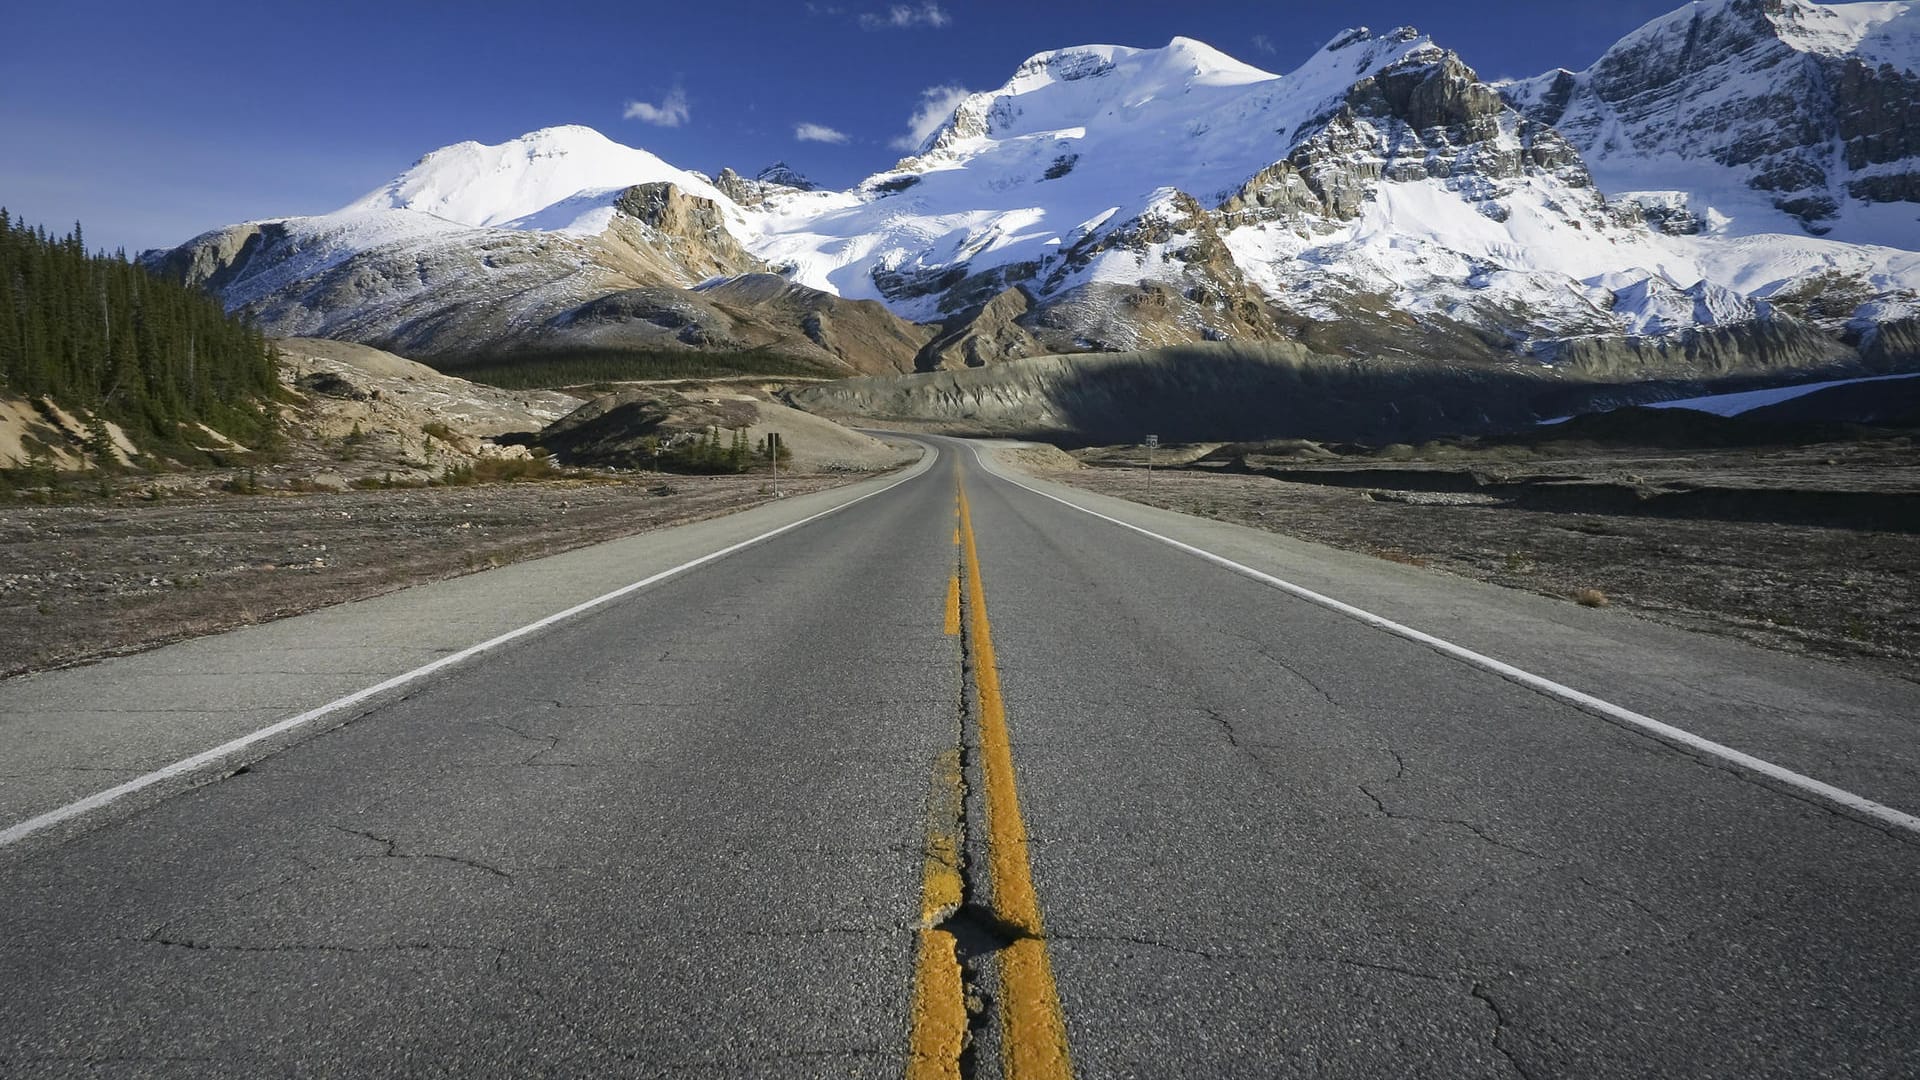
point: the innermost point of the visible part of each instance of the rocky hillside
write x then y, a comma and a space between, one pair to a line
1381, 201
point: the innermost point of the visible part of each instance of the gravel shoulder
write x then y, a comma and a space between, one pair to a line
1839, 593
88, 580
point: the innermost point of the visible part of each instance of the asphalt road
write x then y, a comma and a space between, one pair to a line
1176, 822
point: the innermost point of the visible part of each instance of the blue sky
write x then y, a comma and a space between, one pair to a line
150, 122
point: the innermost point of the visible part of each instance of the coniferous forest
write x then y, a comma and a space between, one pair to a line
96, 332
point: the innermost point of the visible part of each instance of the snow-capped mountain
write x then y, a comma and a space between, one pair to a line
1754, 116
1381, 198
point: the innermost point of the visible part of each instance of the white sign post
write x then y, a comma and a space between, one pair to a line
1152, 441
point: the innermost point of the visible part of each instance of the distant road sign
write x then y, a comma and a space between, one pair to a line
1153, 440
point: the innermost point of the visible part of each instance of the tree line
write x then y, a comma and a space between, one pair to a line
708, 452
98, 333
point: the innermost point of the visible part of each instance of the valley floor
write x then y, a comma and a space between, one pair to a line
1839, 593
117, 575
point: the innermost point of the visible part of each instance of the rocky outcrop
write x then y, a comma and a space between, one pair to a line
1189, 288
1383, 202
1891, 346
1757, 86
861, 334
1760, 347
755, 313
669, 232
1194, 393
1428, 116
213, 260
623, 428
776, 179
989, 334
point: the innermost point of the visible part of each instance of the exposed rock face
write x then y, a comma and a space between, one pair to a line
989, 334
1189, 289
1192, 393
1381, 201
775, 179
1769, 88
780, 174
862, 334
621, 429
217, 258
679, 232
1751, 348
1426, 117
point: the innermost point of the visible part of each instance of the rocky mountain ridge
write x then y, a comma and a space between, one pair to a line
1382, 200
1811, 109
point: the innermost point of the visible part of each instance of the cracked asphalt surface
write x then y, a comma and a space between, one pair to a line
684, 835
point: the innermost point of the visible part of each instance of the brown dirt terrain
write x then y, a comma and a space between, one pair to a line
376, 482
96, 578
1798, 584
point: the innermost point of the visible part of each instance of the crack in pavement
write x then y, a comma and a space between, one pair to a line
1273, 658
109, 1059
312, 947
1125, 939
393, 852
1245, 749
552, 741
1501, 1025
1400, 773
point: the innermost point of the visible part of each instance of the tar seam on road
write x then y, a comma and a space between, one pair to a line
15, 833
939, 1016
1877, 814
1034, 1032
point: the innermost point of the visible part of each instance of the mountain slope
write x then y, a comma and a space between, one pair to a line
1763, 115
1380, 200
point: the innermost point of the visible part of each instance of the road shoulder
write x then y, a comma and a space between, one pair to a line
72, 733
1848, 727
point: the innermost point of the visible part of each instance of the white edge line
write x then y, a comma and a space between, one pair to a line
1859, 804
15, 833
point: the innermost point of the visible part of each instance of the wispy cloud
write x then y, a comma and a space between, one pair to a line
671, 112
1264, 44
906, 17
936, 106
818, 133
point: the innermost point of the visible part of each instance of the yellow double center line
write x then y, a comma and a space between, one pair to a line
1033, 1028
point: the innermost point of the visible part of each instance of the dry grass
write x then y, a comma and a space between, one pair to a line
1841, 593
1395, 555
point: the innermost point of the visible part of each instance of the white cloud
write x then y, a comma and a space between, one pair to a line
1264, 44
906, 16
671, 112
818, 133
936, 107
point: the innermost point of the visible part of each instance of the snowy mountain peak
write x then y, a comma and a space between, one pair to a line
476, 184
1113, 197
1084, 86
1797, 110
784, 175
1877, 33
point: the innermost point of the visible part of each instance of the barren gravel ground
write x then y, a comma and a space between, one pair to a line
93, 579
1842, 593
